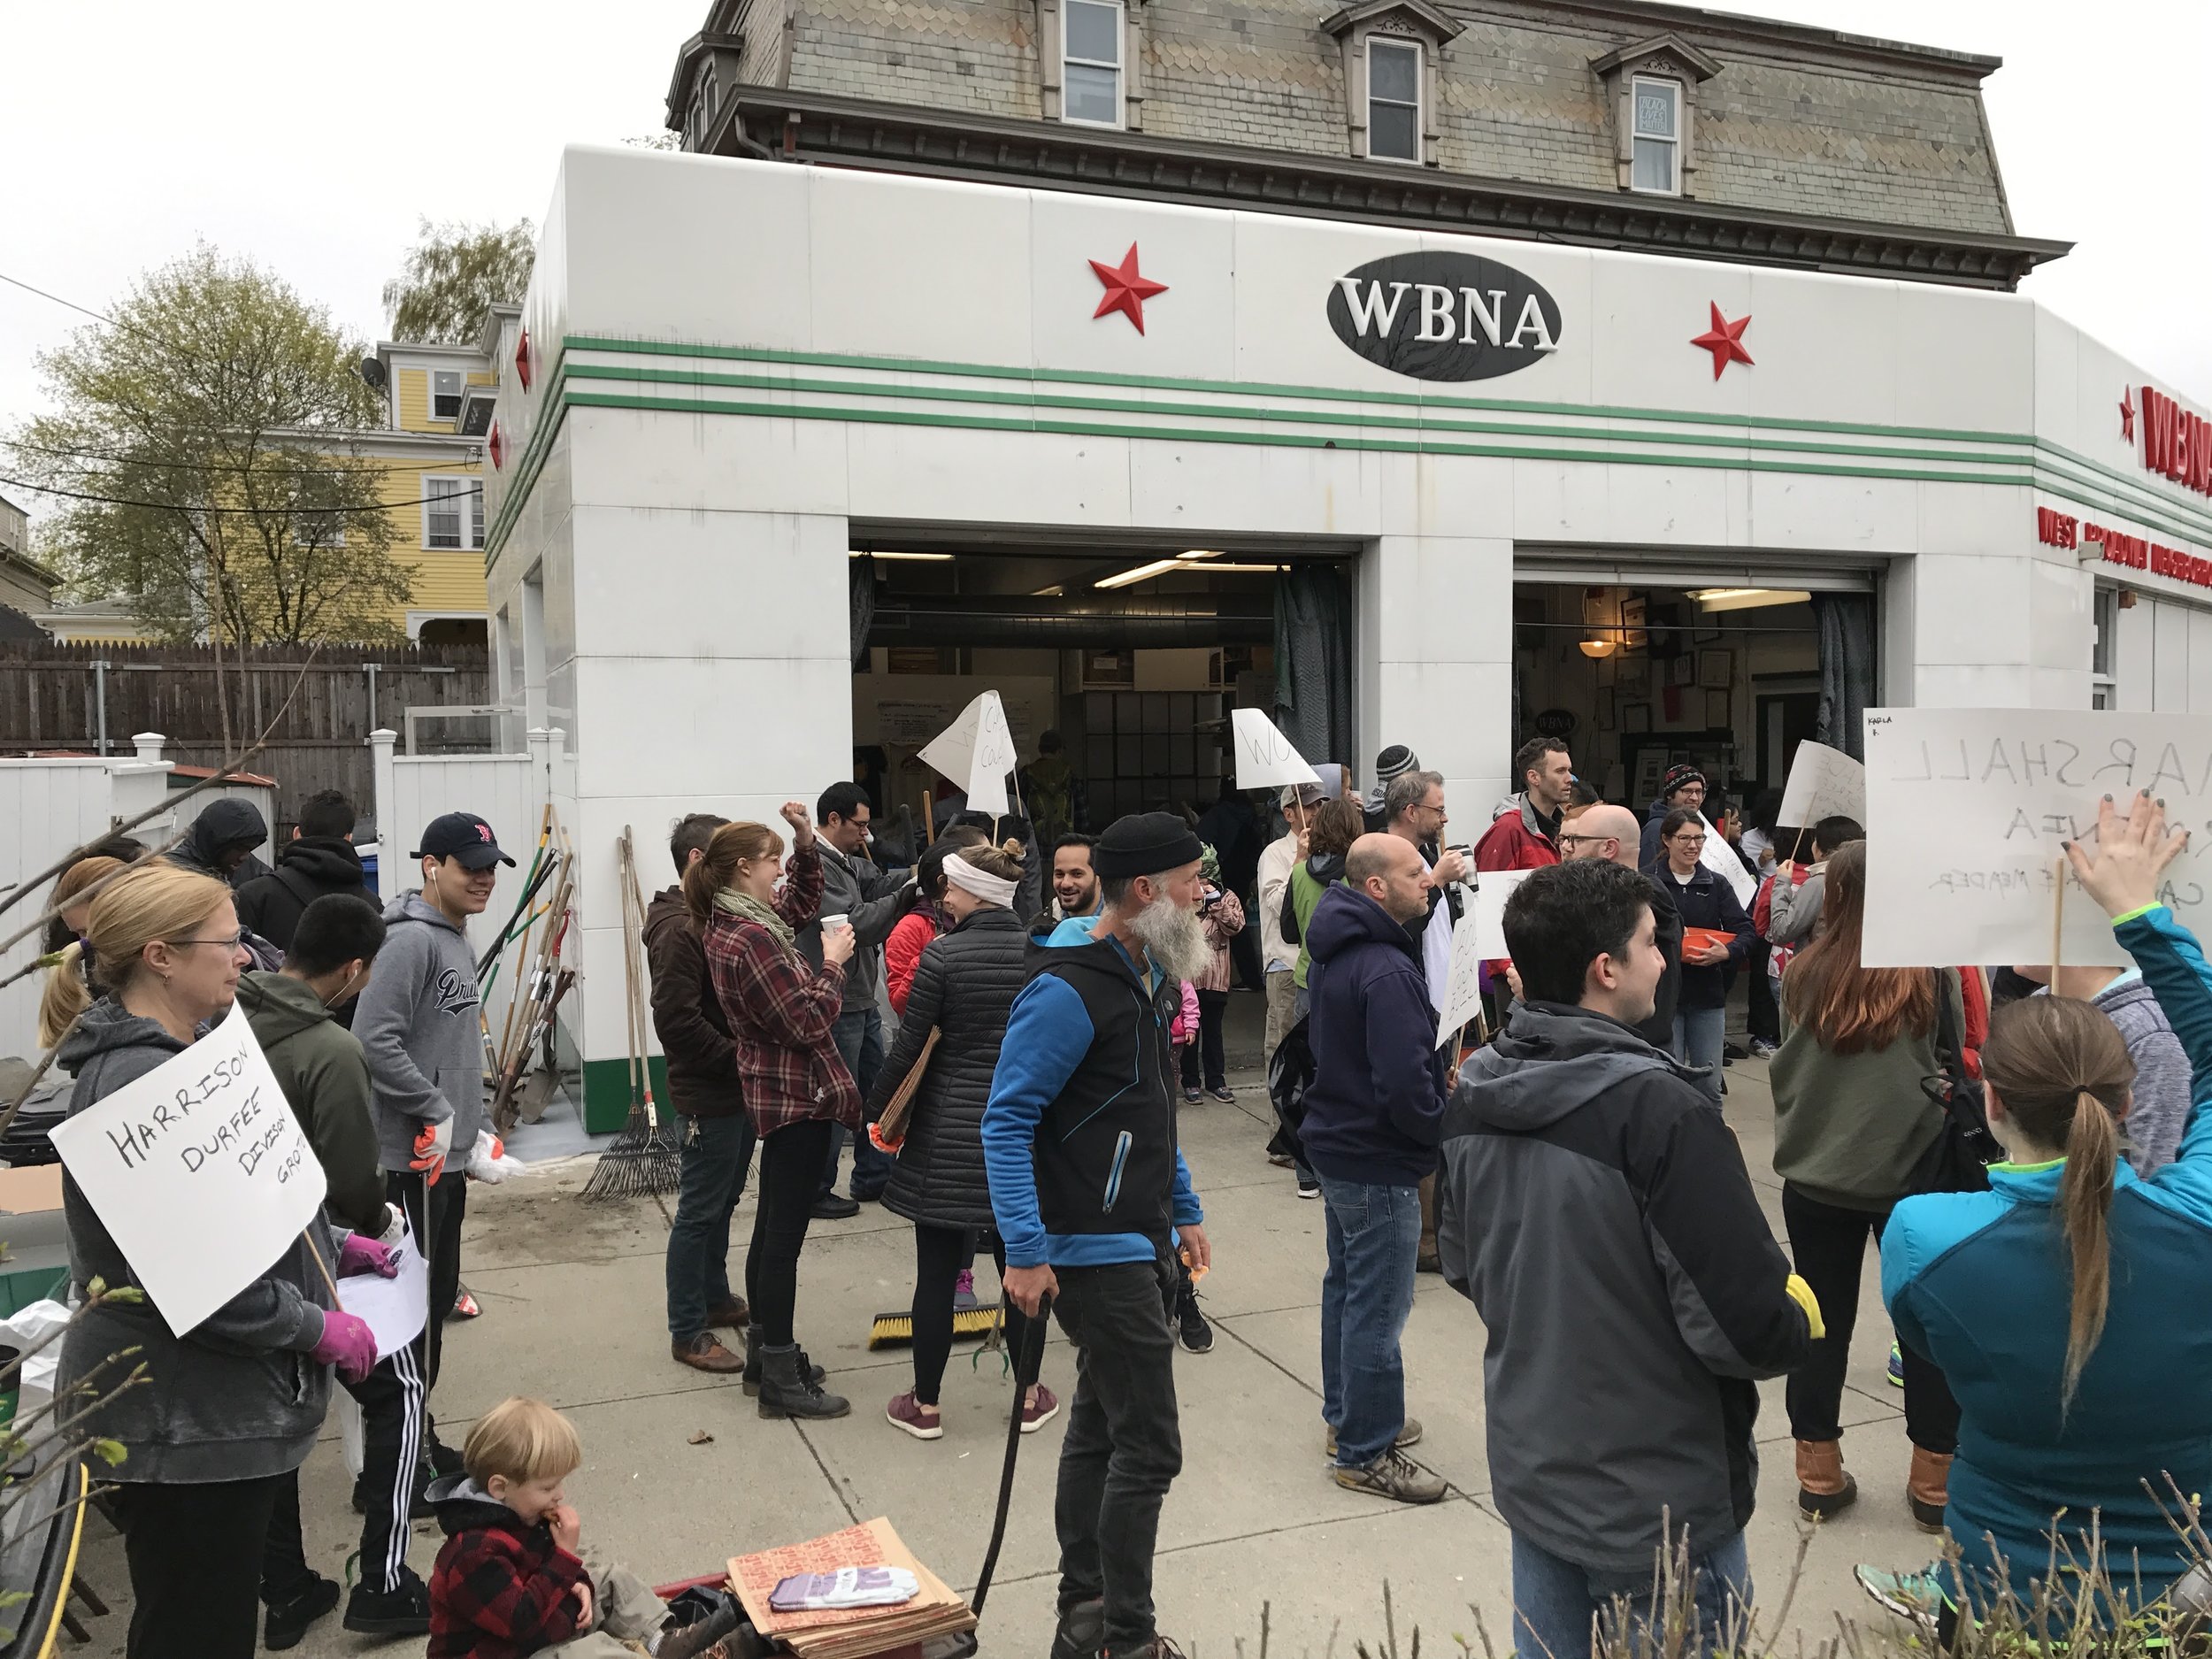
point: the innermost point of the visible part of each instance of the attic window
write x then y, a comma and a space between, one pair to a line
1394, 99
1656, 165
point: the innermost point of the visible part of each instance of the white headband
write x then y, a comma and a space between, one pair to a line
990, 888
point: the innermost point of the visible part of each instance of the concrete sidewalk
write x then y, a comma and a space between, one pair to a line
572, 1311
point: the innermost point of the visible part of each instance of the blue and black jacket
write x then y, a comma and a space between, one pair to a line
1079, 1134
1981, 1284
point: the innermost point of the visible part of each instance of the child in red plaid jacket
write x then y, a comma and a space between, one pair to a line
511, 1579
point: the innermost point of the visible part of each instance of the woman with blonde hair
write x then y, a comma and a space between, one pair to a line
782, 1011
2066, 1304
229, 1407
68, 991
1853, 1130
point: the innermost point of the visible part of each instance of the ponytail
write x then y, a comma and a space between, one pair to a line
716, 866
2064, 1072
2084, 1206
65, 996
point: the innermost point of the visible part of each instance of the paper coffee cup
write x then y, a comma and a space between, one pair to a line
837, 920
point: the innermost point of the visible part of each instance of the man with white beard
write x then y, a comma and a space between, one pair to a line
1093, 1199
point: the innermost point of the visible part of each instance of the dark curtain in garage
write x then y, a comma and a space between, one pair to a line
1313, 662
1847, 669
863, 577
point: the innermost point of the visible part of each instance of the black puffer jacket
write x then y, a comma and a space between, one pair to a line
965, 985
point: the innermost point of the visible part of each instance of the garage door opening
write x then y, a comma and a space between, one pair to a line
1636, 679
1134, 653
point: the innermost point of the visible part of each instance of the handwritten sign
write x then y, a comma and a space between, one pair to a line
396, 1308
1477, 937
1824, 782
976, 751
1718, 855
1966, 812
1265, 758
198, 1170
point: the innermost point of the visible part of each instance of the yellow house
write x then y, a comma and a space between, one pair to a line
440, 399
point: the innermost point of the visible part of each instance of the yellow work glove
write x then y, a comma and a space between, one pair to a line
1801, 1293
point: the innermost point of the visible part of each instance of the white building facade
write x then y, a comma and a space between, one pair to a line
739, 371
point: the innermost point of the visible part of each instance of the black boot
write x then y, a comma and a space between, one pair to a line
752, 1365
1081, 1633
788, 1391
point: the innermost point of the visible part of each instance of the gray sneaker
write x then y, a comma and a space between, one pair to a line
1409, 1434
1396, 1477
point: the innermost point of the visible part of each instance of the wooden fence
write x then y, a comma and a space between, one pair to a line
68, 697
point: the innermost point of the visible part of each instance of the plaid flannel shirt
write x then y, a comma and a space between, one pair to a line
781, 1008
501, 1591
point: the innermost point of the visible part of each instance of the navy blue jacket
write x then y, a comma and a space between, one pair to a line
1708, 902
1375, 1111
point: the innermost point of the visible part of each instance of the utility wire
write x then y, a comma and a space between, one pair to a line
295, 510
383, 463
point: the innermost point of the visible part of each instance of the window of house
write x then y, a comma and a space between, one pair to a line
445, 394
1656, 166
2104, 683
1090, 75
1393, 100
452, 509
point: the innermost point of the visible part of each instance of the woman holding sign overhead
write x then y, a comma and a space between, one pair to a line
225, 1409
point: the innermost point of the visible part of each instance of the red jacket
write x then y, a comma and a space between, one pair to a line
1516, 841
781, 1008
500, 1590
902, 951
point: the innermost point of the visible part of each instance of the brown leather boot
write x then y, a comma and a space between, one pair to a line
1824, 1486
704, 1352
1928, 1488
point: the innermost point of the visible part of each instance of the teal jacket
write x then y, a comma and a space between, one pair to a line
1980, 1282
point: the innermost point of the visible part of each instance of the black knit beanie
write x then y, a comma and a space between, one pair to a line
1144, 844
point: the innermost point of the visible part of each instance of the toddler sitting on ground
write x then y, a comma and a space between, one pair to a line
512, 1578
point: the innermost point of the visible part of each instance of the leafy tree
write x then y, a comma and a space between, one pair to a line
201, 455
452, 272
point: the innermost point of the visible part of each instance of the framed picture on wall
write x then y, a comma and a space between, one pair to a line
1716, 669
1633, 612
1633, 680
1682, 670
1636, 717
1716, 714
1597, 605
1708, 635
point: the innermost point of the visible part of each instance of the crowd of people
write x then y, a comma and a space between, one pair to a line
2038, 1180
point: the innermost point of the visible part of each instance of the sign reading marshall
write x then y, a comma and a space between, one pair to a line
1444, 316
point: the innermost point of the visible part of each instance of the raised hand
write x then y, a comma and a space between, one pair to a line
2131, 853
802, 826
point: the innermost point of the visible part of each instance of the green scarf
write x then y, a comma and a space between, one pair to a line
744, 904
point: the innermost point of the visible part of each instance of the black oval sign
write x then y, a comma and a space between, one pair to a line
1444, 316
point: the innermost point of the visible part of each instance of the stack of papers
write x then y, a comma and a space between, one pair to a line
851, 1633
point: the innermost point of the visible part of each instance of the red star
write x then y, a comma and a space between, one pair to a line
2127, 416
1724, 341
1126, 290
498, 448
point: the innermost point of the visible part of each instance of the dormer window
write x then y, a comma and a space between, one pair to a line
1391, 49
1090, 62
1652, 90
445, 394
1394, 99
1654, 161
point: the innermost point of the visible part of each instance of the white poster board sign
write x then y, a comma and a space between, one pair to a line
1486, 906
1719, 856
395, 1309
976, 751
1824, 782
1265, 758
199, 1171
1966, 809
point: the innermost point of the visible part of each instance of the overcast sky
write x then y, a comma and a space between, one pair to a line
312, 137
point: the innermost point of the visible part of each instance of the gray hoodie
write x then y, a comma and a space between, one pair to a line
239, 1396
419, 1023
2160, 1107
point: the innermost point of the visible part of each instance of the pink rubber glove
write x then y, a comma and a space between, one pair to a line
347, 1343
361, 1254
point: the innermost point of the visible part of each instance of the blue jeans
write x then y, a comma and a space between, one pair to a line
1374, 1242
716, 1154
858, 1035
1698, 1034
1554, 1599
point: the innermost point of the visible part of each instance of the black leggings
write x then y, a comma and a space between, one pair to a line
1829, 1246
194, 1556
790, 1177
1213, 1007
940, 1253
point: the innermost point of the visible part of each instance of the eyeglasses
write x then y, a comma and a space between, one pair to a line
231, 942
1687, 842
1577, 841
